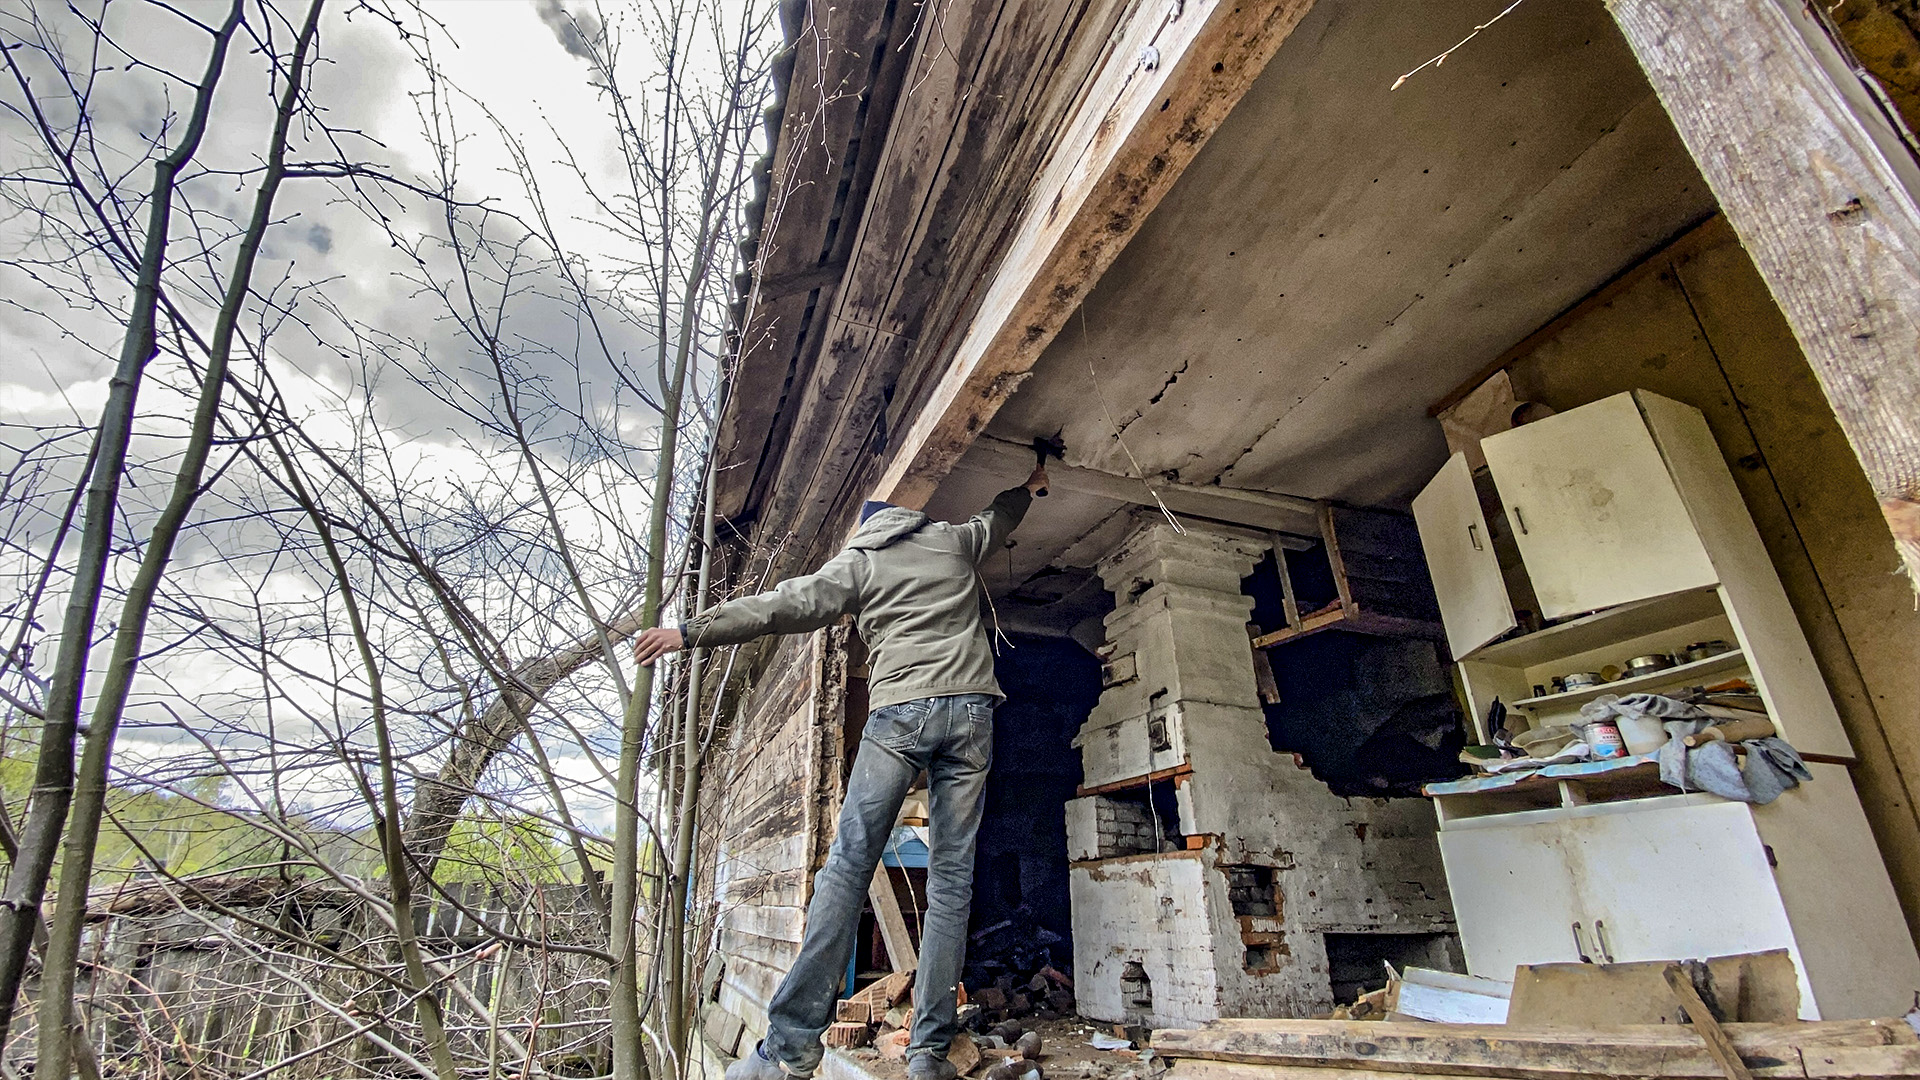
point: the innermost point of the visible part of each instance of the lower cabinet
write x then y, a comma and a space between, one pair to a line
1688, 875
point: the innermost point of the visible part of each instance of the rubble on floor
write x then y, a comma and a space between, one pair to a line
1061, 1049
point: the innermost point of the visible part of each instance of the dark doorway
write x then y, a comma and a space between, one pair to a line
1022, 919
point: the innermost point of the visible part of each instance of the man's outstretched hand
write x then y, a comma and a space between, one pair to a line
1039, 478
653, 644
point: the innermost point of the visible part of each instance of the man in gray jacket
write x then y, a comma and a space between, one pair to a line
913, 587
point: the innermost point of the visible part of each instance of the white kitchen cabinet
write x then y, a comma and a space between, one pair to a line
1594, 509
1677, 876
1459, 547
1634, 540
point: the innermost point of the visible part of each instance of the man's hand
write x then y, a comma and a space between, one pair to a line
653, 644
1039, 478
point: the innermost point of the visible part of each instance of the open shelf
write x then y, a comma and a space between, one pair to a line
1602, 628
1712, 665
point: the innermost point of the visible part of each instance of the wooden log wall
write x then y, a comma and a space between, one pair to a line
779, 795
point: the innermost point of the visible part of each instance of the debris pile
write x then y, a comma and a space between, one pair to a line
1015, 948
998, 1006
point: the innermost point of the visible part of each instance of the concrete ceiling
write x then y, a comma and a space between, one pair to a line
1341, 255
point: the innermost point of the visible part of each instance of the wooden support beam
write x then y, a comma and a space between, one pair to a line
1821, 193
1290, 519
1173, 74
893, 923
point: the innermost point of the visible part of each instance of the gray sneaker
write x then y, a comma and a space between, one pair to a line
756, 1065
925, 1065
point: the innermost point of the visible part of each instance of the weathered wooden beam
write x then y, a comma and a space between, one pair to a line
1174, 73
893, 922
1841, 1047
1289, 517
1822, 197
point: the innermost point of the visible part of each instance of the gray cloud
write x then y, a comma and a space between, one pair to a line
573, 29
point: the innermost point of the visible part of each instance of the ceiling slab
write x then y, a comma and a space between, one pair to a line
1342, 254
1339, 257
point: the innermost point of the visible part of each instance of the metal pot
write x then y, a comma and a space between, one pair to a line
1700, 650
1648, 664
1582, 680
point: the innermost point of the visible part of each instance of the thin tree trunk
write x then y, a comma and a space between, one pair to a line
39, 839
83, 828
629, 1050
680, 949
392, 844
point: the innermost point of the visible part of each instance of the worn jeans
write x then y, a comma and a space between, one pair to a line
952, 739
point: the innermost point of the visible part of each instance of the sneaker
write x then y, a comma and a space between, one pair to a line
925, 1065
758, 1066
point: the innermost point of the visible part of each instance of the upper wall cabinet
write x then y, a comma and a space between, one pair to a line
1594, 509
1460, 557
1633, 538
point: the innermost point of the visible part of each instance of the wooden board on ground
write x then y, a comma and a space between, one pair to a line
1752, 987
1840, 1048
893, 922
1442, 996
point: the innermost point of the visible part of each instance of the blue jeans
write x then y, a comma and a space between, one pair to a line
952, 739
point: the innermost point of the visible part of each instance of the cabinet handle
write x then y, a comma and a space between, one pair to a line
1520, 521
1579, 946
1473, 534
1600, 936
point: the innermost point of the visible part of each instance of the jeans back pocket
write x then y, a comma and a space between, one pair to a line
898, 727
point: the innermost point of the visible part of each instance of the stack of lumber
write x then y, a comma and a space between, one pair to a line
1315, 1049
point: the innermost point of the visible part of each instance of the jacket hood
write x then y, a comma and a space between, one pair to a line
887, 527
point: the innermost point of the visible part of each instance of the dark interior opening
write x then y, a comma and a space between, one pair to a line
1022, 918
1369, 715
1357, 963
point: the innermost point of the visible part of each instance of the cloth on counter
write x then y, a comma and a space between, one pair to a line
1772, 767
1638, 707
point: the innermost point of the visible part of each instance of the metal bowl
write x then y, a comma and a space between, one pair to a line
1650, 663
1582, 680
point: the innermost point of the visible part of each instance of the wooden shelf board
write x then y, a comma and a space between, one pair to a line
1712, 665
1602, 628
1355, 621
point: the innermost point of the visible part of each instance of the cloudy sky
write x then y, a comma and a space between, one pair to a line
366, 352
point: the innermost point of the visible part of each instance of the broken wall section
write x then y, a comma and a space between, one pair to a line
1259, 862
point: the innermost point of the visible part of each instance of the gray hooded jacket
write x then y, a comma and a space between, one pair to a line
912, 585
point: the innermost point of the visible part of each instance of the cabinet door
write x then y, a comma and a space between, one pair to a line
1595, 513
1670, 879
1513, 896
1461, 559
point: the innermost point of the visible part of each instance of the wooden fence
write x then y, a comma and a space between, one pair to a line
246, 973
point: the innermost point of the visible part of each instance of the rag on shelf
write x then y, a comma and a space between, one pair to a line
1773, 765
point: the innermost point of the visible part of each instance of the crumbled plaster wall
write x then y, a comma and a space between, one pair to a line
1335, 865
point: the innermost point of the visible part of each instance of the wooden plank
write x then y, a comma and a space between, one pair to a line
1289, 518
1531, 1053
1177, 774
1821, 196
893, 923
1702, 1020
1142, 122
